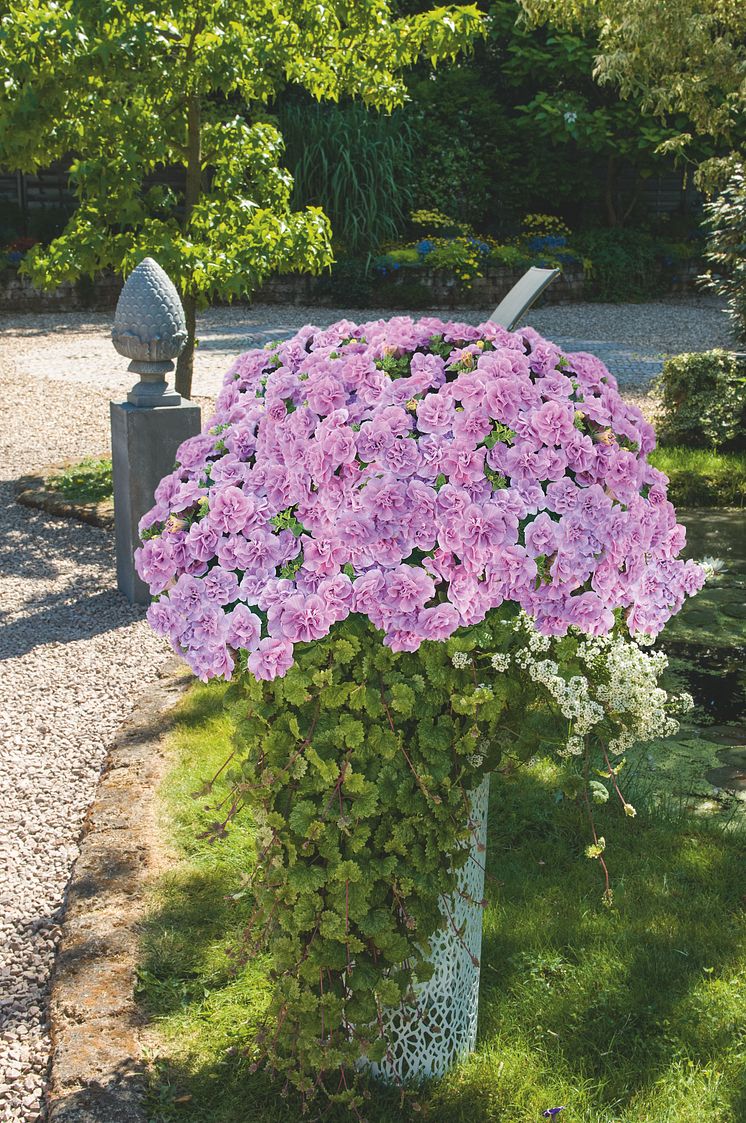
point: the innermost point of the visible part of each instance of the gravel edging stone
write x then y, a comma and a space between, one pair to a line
97, 1074
33, 492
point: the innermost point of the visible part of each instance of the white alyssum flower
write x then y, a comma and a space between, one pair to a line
620, 684
712, 567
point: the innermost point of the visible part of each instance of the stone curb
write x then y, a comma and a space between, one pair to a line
31, 491
97, 1074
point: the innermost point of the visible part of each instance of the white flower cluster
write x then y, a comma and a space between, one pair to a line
620, 683
460, 660
681, 703
571, 695
500, 662
712, 567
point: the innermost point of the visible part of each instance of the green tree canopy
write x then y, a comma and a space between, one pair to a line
124, 89
677, 56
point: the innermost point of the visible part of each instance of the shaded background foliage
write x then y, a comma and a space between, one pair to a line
521, 126
355, 163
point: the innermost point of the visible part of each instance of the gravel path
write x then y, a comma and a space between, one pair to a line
74, 346
74, 655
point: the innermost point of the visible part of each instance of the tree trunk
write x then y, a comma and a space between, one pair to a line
185, 364
185, 361
611, 215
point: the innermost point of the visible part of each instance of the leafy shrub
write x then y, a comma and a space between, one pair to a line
625, 264
455, 247
512, 257
704, 401
544, 226
407, 255
433, 221
467, 157
466, 257
726, 250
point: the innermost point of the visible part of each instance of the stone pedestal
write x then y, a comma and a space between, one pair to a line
146, 430
143, 450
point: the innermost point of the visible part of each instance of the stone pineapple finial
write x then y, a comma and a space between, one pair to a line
150, 329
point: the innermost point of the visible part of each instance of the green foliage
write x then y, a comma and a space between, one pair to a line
702, 478
407, 255
524, 126
89, 481
704, 401
668, 59
630, 1014
625, 264
353, 163
544, 226
466, 161
427, 222
125, 89
726, 250
461, 256
355, 769
512, 257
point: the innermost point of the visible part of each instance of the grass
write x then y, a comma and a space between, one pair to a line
354, 164
90, 481
635, 1014
702, 478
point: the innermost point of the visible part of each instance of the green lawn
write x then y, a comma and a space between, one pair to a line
631, 1015
89, 481
702, 478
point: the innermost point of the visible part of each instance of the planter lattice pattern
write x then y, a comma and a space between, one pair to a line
428, 1037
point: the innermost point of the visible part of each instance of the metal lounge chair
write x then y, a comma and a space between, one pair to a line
522, 296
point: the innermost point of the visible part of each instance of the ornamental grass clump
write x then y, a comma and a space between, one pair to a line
417, 547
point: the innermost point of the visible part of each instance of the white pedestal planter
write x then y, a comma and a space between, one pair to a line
441, 1028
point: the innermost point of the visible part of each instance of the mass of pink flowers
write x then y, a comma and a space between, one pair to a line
420, 473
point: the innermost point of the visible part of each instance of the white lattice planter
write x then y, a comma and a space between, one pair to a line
440, 1028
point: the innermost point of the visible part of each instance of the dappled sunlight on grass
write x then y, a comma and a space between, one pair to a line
629, 1014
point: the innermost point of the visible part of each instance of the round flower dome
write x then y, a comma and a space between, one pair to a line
418, 472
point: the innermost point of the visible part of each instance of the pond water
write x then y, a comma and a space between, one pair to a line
704, 766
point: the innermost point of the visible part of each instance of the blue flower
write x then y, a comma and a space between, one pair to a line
547, 242
425, 247
552, 1111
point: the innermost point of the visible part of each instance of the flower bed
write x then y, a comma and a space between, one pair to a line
416, 546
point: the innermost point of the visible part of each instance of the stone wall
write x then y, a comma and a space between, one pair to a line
443, 288
17, 294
